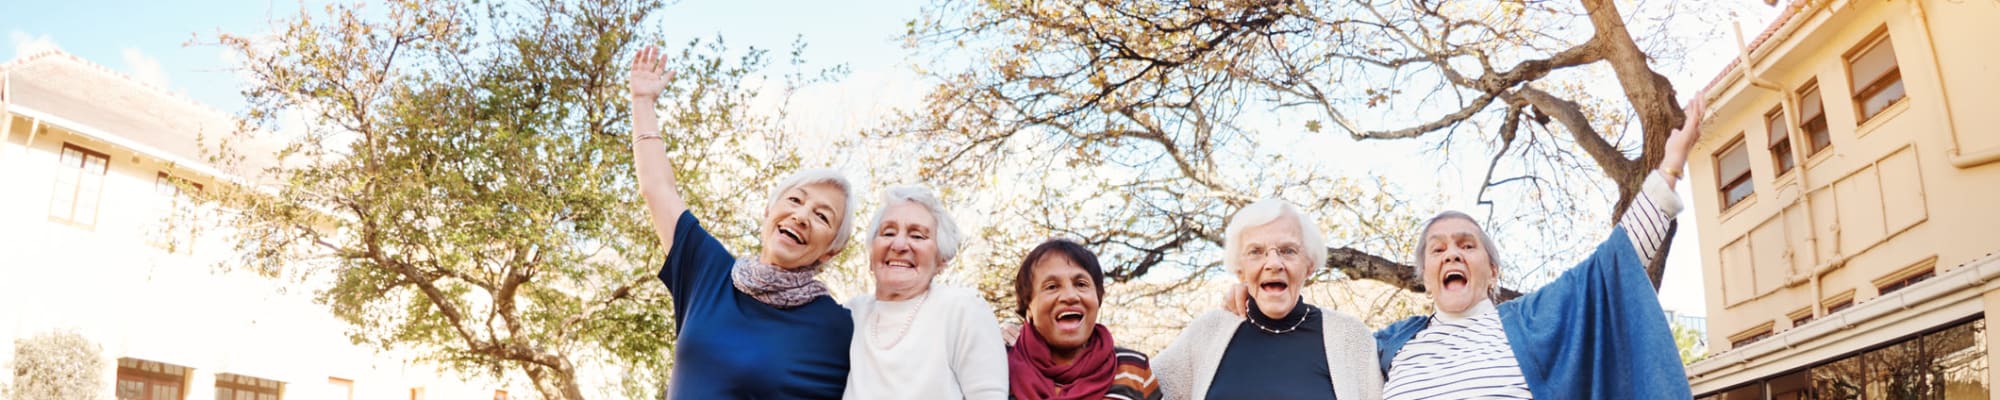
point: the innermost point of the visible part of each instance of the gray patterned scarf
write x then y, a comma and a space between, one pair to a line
779, 287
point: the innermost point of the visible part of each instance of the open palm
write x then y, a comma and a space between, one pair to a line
649, 75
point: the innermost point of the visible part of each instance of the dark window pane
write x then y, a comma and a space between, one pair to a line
1838, 380
1751, 392
1792, 386
1959, 360
1880, 100
1897, 372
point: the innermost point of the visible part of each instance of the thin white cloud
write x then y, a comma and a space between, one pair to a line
144, 68
25, 44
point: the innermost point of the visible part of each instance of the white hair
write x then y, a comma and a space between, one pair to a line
1264, 212
1492, 251
812, 176
945, 233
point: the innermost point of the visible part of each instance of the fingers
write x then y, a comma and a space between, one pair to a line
648, 60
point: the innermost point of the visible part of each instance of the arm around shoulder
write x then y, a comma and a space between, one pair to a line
981, 357
1351, 356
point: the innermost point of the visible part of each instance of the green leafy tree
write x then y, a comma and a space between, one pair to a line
1693, 347
56, 365
462, 190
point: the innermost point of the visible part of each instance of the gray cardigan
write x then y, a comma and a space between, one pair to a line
1187, 367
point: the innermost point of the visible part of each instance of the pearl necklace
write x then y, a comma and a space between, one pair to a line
1295, 325
875, 319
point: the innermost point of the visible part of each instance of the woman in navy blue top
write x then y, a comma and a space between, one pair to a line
753, 327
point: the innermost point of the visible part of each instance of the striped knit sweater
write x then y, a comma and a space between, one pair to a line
1132, 381
1471, 355
1135, 378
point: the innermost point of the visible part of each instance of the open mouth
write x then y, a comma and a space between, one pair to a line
794, 236
1274, 286
900, 264
1069, 320
1455, 280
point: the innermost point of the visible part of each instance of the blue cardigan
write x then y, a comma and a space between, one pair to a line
1596, 332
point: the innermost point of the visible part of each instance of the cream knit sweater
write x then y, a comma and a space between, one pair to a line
1187, 366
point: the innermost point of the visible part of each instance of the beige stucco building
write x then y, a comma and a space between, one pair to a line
99, 239
1847, 196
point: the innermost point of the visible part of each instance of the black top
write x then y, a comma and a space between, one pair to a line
1264, 365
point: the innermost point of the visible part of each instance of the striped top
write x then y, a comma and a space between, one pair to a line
1134, 379
1469, 357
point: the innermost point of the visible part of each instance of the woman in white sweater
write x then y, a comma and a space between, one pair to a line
912, 339
1285, 349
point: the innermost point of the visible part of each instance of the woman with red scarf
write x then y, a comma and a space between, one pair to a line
1062, 353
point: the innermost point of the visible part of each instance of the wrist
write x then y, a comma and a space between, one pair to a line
645, 98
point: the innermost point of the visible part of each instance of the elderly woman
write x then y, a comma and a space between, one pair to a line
1062, 353
754, 327
1285, 349
914, 339
1597, 331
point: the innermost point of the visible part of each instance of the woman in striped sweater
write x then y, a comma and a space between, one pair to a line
1596, 332
1061, 352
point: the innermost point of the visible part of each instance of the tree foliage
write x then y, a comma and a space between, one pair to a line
462, 189
56, 365
1138, 125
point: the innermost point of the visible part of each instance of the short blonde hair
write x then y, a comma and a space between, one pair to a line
1264, 212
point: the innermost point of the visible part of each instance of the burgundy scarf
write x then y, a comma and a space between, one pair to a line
1033, 374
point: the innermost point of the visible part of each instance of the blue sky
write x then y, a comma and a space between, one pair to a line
166, 43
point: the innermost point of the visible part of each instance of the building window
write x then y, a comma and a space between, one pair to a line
1874, 75
1948, 363
1781, 140
175, 231
1801, 317
1812, 118
1732, 169
1839, 305
1903, 282
79, 182
342, 388
150, 380
1746, 392
239, 387
1795, 385
1752, 336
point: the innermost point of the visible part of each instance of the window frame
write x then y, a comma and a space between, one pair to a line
342, 383
256, 386
134, 370
1779, 132
1814, 137
1859, 92
175, 232
80, 172
1723, 184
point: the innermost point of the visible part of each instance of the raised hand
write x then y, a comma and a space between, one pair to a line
1682, 140
649, 75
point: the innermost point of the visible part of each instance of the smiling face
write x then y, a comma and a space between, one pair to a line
800, 227
1458, 268
1273, 264
1063, 307
903, 252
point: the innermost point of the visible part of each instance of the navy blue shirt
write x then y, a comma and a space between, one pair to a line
731, 346
1264, 365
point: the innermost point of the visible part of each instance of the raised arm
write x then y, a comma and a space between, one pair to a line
649, 151
1647, 219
